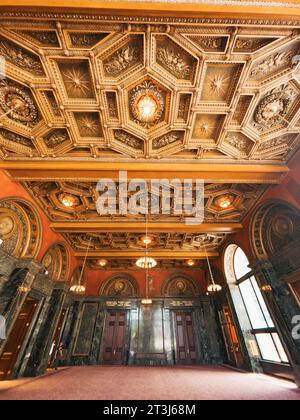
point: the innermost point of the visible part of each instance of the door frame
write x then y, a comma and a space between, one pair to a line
28, 337
174, 334
127, 340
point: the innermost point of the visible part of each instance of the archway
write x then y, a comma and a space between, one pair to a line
56, 262
20, 228
120, 285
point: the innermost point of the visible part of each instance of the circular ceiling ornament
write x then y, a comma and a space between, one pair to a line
69, 200
147, 103
101, 263
17, 104
274, 107
224, 201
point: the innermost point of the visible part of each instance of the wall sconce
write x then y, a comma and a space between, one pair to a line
266, 288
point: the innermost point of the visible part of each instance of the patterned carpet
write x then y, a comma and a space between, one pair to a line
149, 383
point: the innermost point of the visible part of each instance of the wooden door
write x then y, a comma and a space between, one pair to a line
186, 352
16, 339
115, 338
233, 348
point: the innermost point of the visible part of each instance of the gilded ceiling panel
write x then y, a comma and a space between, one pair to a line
184, 91
148, 91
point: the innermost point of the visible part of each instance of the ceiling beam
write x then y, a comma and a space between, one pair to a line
137, 227
93, 171
159, 254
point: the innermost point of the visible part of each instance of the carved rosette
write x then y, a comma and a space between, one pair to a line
18, 105
273, 107
147, 91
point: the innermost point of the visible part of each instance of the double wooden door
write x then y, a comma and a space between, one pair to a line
114, 352
186, 349
16, 339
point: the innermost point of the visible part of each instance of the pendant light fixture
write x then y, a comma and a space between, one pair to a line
79, 288
213, 287
146, 263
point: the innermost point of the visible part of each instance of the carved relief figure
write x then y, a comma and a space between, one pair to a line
212, 43
237, 142
48, 38
280, 141
80, 39
128, 139
16, 138
166, 140
272, 63
175, 62
56, 138
19, 57
122, 60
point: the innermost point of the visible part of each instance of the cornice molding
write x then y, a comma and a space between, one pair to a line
181, 17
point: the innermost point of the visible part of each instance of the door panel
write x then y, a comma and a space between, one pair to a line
233, 348
115, 337
57, 337
16, 339
186, 352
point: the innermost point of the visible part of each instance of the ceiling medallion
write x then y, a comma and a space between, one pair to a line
147, 240
17, 104
274, 107
224, 201
102, 263
69, 200
147, 103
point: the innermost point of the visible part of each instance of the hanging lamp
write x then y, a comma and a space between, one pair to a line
79, 288
146, 263
213, 287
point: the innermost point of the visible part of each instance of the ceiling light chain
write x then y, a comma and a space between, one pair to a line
80, 288
212, 287
148, 262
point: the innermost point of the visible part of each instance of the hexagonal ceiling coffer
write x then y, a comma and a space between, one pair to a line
148, 103
276, 108
226, 201
18, 103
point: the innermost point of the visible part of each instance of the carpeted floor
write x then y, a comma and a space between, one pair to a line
149, 383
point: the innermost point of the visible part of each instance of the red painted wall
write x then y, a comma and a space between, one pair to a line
11, 189
95, 279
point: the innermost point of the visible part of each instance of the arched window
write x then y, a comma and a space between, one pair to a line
263, 328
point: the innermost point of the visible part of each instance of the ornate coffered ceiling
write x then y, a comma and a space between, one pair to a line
86, 95
83, 196
78, 90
